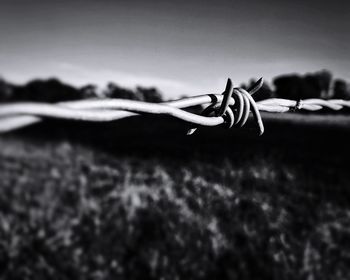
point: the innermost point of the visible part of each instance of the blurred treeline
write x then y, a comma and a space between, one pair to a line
320, 84
53, 90
312, 85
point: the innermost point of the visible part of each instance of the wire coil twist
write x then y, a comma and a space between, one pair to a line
235, 107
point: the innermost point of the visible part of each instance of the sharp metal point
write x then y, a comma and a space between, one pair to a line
256, 86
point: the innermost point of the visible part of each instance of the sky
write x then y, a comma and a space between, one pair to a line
181, 47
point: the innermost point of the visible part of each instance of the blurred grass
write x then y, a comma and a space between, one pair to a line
74, 211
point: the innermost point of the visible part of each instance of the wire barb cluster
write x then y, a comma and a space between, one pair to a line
231, 108
235, 107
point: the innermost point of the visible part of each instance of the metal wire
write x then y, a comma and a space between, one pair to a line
231, 108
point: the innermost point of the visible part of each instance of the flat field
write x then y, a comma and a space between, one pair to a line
142, 201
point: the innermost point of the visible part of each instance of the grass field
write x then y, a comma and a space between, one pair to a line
238, 207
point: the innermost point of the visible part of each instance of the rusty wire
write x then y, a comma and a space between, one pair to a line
231, 108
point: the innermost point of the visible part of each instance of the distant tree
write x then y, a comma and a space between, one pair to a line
51, 90
314, 85
325, 82
317, 85
114, 91
310, 87
6, 91
141, 93
288, 86
341, 89
89, 91
149, 94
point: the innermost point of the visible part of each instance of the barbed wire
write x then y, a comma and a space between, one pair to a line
231, 108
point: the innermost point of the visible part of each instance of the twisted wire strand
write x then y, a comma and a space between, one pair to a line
17, 115
231, 108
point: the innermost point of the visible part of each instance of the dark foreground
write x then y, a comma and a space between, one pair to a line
147, 203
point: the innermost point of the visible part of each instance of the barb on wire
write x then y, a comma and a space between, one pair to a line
235, 106
231, 108
221, 110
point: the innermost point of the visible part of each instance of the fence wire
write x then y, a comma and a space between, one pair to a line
231, 108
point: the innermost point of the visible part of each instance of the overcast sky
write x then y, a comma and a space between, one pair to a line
181, 47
